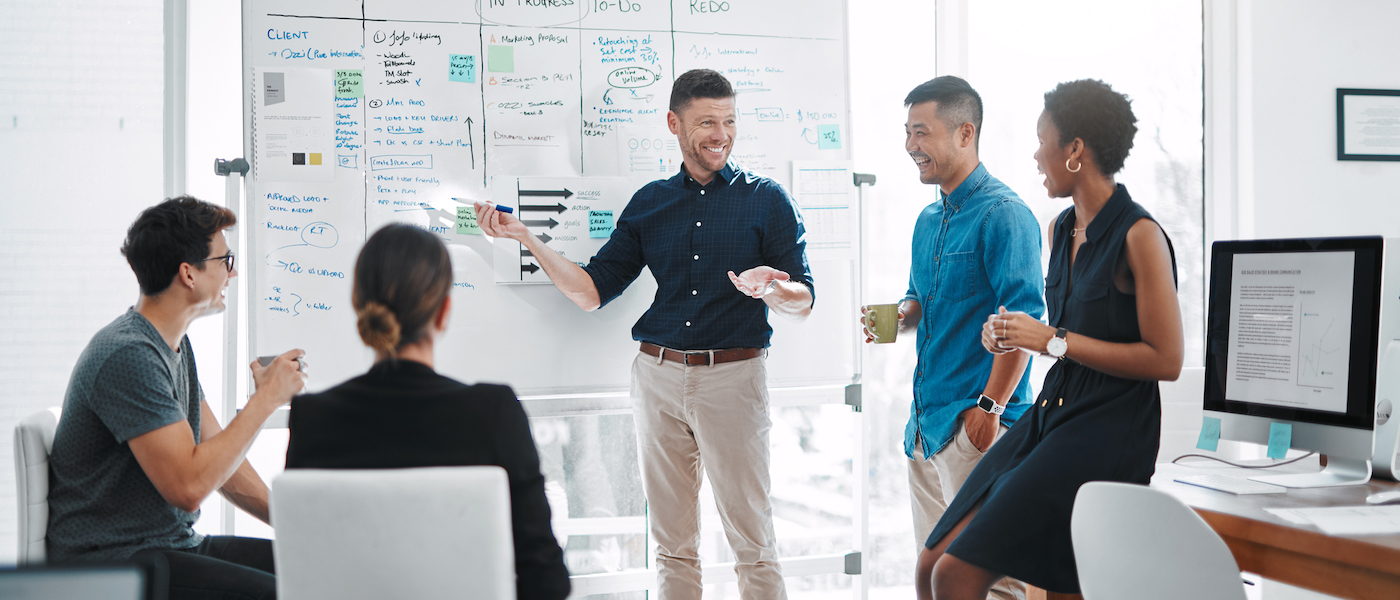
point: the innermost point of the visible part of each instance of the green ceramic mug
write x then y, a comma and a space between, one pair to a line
881, 322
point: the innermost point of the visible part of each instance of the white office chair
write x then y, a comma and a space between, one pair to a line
1131, 541
33, 443
440, 532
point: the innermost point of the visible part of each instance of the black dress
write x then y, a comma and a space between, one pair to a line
1084, 426
403, 414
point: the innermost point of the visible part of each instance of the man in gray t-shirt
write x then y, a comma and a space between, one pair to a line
137, 448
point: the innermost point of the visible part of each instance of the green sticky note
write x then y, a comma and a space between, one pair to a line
461, 67
349, 84
600, 223
1210, 434
828, 137
466, 221
500, 59
1280, 439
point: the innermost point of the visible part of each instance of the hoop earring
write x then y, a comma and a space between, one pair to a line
1081, 166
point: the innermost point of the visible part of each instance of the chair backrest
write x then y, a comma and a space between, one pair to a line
439, 532
33, 443
1131, 541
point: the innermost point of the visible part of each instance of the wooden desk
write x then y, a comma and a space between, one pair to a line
1362, 568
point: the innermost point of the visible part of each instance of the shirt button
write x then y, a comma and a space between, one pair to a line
697, 257
697, 223
702, 192
694, 292
687, 323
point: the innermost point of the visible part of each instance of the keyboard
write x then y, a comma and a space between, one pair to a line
1233, 485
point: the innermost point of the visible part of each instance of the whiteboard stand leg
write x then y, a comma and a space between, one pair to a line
233, 172
860, 466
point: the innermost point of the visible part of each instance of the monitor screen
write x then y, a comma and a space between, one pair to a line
1292, 329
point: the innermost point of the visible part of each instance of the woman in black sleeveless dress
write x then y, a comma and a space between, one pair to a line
1115, 323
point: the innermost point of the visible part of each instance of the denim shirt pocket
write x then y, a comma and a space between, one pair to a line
957, 279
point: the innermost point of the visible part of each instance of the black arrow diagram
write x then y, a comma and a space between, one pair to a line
529, 268
544, 237
471, 142
557, 208
550, 223
564, 193
525, 253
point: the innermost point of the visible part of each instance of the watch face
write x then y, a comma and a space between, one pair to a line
1056, 347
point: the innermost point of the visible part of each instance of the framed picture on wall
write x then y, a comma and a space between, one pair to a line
1368, 124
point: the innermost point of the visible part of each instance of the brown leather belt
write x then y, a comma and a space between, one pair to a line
702, 357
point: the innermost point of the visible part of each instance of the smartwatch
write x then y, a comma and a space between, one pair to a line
987, 404
1058, 346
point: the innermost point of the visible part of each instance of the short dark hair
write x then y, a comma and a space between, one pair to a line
699, 83
402, 277
169, 234
957, 102
1090, 110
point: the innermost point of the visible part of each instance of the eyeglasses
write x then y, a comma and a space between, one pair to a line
227, 258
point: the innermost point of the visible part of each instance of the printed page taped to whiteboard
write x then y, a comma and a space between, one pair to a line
294, 133
573, 216
825, 192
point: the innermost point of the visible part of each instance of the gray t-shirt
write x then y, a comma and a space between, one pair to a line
101, 504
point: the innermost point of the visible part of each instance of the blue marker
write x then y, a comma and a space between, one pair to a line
504, 209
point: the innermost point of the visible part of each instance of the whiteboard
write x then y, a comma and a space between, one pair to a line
362, 113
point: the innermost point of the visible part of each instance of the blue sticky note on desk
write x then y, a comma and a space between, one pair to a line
1280, 439
1210, 434
828, 137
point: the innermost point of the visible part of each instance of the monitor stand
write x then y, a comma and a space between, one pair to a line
1339, 471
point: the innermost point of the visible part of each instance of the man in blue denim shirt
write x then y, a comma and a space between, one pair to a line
699, 382
975, 250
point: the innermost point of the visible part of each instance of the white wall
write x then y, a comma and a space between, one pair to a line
1289, 58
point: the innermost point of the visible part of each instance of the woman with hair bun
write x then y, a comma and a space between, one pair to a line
1114, 325
403, 414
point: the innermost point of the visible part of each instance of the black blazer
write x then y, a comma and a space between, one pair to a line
403, 414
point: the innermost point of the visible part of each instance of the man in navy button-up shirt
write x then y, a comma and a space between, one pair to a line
974, 251
699, 383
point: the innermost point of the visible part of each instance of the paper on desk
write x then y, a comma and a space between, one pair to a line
1345, 520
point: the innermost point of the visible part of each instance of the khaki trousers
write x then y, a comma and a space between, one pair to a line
933, 484
715, 418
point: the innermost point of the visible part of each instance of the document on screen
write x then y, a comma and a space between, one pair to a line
1290, 329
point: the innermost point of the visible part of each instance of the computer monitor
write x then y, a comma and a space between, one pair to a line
1295, 329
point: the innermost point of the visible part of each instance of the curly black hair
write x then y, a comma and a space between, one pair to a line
1090, 110
168, 234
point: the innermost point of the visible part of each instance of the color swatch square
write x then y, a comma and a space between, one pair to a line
500, 59
315, 158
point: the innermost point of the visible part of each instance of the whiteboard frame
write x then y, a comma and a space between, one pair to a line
586, 402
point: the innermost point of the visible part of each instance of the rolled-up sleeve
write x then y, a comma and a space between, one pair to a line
620, 260
785, 239
1011, 242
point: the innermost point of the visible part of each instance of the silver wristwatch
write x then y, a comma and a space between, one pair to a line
1058, 346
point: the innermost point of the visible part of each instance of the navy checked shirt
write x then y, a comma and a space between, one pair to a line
690, 236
